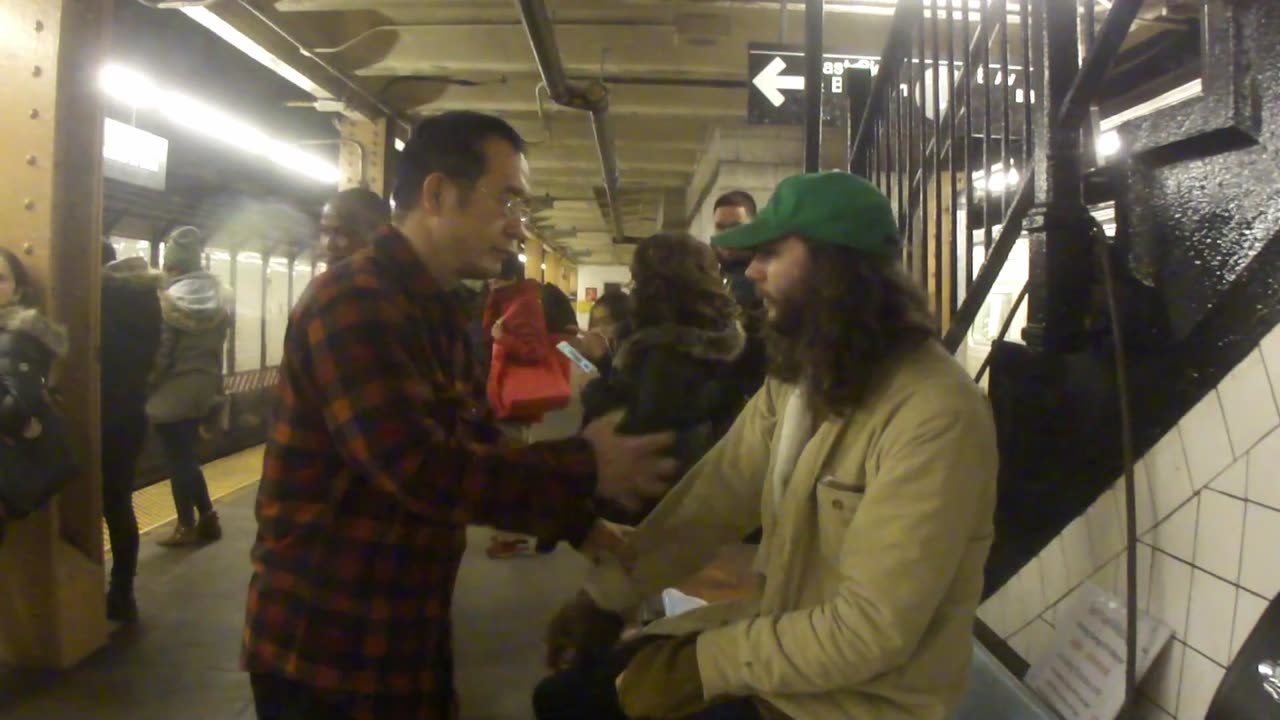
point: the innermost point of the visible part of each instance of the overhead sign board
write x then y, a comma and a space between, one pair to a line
776, 96
134, 156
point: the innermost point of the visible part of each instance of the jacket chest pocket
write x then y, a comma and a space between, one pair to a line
838, 503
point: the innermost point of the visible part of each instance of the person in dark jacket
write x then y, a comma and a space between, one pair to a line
29, 345
731, 210
611, 311
130, 339
186, 382
675, 353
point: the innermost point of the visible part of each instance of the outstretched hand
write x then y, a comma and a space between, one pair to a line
630, 469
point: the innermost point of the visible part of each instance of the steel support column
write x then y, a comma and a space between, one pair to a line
812, 84
1060, 263
52, 612
365, 154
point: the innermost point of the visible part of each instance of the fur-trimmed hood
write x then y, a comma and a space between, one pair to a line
724, 344
133, 273
194, 302
32, 323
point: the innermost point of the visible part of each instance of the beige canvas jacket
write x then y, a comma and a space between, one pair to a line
872, 555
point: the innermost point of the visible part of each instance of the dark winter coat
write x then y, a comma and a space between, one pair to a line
186, 382
672, 377
130, 338
29, 343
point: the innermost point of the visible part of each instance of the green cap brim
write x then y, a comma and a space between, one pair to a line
748, 236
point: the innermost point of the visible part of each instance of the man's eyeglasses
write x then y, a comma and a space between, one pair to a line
514, 207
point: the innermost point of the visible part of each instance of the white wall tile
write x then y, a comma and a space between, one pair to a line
1234, 480
1200, 680
1105, 519
1219, 534
1145, 505
1270, 348
1054, 571
1145, 559
1110, 576
1033, 641
1247, 402
1205, 438
1076, 552
1170, 479
1177, 534
1213, 605
1170, 591
1163, 682
1147, 710
1249, 609
1028, 589
1263, 482
1260, 562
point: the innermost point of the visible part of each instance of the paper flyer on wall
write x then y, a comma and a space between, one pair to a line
1081, 676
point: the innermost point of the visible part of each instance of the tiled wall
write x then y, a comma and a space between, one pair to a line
1209, 524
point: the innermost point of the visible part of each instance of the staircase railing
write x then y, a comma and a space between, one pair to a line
974, 130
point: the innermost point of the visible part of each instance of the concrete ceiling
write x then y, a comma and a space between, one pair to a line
675, 70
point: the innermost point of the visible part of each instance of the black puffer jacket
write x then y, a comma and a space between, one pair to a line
130, 338
671, 377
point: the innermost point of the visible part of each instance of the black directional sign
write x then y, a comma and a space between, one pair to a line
776, 73
776, 96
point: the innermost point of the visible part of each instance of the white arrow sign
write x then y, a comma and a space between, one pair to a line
770, 81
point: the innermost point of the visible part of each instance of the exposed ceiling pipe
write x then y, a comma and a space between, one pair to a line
591, 96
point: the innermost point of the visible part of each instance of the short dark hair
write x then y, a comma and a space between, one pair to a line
108, 252
361, 210
558, 311
449, 143
616, 303
736, 198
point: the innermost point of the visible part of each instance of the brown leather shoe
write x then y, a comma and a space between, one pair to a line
183, 536
208, 528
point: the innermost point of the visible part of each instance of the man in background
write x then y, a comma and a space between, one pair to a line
731, 210
349, 221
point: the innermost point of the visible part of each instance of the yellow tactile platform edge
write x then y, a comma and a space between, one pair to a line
154, 504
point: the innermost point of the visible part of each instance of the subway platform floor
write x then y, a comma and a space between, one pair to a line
181, 661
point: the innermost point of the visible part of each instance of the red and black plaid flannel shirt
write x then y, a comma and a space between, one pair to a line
382, 451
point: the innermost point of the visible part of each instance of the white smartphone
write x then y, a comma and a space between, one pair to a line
576, 357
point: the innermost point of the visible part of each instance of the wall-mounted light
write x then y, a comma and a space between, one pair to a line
522, 258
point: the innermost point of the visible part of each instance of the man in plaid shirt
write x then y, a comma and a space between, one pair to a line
383, 450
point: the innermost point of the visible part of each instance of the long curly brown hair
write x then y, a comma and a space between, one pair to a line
838, 332
677, 281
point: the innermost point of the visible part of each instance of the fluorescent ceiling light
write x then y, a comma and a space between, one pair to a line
521, 257
244, 44
399, 145
136, 90
1108, 143
1173, 97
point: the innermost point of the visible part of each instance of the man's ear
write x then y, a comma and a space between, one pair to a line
433, 189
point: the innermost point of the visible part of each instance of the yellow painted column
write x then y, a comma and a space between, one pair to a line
571, 277
364, 158
52, 611
533, 258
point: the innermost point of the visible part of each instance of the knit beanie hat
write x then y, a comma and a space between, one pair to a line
184, 251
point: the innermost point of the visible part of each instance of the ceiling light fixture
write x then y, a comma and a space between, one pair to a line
135, 89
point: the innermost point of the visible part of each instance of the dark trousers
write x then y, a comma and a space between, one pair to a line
590, 693
186, 479
122, 441
279, 698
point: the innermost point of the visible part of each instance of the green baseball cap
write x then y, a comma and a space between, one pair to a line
831, 207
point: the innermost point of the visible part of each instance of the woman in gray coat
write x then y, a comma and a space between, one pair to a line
186, 384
